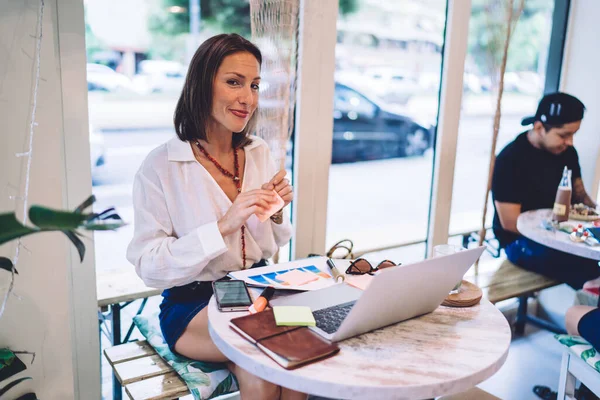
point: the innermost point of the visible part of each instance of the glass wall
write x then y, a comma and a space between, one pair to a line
523, 87
138, 54
388, 67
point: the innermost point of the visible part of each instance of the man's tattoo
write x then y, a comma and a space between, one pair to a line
580, 195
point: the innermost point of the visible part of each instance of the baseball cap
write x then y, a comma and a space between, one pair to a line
557, 109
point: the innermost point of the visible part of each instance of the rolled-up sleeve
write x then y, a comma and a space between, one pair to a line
162, 260
282, 233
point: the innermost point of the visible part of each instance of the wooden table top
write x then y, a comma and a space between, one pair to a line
530, 226
117, 286
443, 352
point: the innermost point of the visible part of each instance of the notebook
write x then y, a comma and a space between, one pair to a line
289, 346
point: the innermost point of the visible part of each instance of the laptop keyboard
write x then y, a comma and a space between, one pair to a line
330, 319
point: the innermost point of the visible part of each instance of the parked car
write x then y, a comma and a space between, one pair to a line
389, 84
160, 76
364, 128
97, 153
103, 78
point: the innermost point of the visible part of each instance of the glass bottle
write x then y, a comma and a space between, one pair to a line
562, 202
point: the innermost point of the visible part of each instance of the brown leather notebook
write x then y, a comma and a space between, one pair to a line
289, 346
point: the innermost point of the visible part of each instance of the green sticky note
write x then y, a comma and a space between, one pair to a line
293, 316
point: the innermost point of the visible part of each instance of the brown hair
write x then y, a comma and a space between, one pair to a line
195, 103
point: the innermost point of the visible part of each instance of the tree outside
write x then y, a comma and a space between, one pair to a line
169, 29
529, 41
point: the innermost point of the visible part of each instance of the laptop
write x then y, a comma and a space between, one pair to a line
394, 295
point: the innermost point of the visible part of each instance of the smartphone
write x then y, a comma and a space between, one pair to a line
232, 295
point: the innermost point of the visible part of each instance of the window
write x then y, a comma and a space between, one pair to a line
523, 87
138, 57
385, 113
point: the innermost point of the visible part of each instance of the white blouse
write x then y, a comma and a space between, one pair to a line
177, 204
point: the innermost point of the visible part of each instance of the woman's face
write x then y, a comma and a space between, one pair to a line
235, 91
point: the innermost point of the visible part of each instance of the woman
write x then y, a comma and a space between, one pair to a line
581, 321
584, 321
196, 198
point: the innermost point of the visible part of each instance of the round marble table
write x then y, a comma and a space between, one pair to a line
529, 224
447, 351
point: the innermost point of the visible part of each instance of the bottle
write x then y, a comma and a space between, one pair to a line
562, 203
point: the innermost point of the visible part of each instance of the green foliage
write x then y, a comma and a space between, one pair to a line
231, 16
347, 7
487, 33
7, 357
92, 43
7, 265
67, 222
225, 15
13, 384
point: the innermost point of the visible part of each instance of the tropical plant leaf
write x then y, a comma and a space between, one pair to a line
28, 396
12, 384
195, 379
208, 367
6, 357
49, 219
103, 226
87, 203
77, 242
570, 341
11, 228
224, 387
104, 221
108, 213
6, 264
589, 353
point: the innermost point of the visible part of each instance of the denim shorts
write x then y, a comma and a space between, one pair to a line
181, 304
589, 327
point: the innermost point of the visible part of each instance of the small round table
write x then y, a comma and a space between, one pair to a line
529, 224
447, 351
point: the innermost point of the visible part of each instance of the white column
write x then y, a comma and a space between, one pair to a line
54, 314
314, 124
455, 50
81, 276
579, 77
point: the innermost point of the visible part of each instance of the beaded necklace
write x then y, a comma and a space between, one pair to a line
236, 180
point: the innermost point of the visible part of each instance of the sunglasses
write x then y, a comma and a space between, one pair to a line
360, 266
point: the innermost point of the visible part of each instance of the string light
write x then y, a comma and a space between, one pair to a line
29, 152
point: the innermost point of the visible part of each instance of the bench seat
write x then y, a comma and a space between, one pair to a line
500, 279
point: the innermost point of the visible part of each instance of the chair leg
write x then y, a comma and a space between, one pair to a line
521, 315
566, 385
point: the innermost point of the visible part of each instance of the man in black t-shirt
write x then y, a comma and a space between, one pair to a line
526, 177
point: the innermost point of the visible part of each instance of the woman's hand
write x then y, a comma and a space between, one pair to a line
281, 186
244, 205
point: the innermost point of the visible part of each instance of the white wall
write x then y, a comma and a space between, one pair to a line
54, 314
581, 66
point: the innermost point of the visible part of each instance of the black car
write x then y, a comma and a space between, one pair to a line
365, 130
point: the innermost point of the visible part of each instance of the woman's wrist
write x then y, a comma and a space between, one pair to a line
222, 226
277, 217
